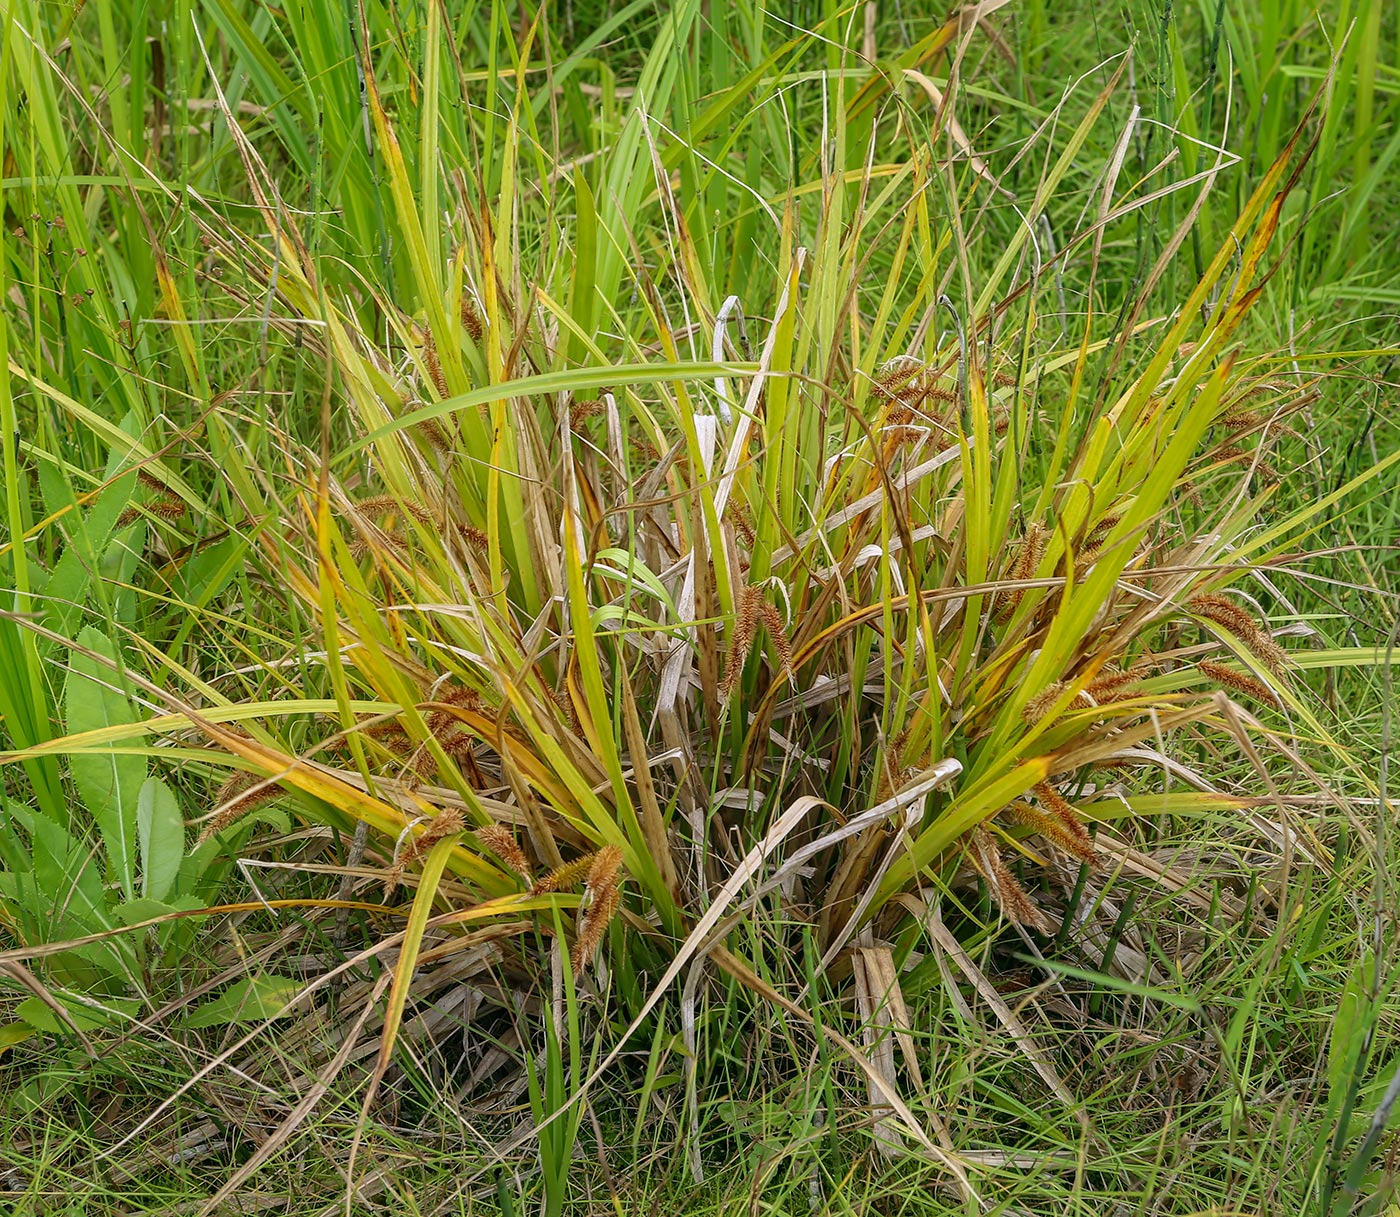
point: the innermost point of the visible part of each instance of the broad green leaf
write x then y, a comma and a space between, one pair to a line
40, 1016
249, 1001
109, 784
15, 1033
142, 909
1348, 1027
160, 831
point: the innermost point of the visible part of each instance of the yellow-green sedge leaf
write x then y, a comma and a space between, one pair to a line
433, 866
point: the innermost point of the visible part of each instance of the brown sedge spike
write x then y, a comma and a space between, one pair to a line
433, 364
471, 319
1023, 569
1225, 612
501, 842
602, 897
1077, 840
1010, 896
1240, 682
383, 504
581, 411
447, 822
238, 796
745, 628
571, 874
1043, 702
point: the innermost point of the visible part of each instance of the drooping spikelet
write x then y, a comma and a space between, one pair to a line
501, 842
166, 507
1240, 682
383, 504
742, 519
1048, 826
750, 610
436, 435
475, 537
1010, 896
1115, 686
1076, 839
1237, 454
1024, 568
446, 727
240, 794
471, 319
601, 898
446, 823
1225, 612
1093, 543
582, 410
561, 878
1040, 705
433, 364
777, 631
745, 627
416, 760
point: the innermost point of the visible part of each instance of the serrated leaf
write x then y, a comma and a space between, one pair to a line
108, 783
249, 1001
160, 832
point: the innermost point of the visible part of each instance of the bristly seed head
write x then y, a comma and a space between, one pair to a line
1010, 896
433, 364
471, 319
1240, 682
582, 410
384, 504
1225, 612
446, 823
241, 793
1023, 569
751, 609
501, 842
601, 900
1074, 835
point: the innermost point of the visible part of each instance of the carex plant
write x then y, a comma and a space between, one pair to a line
630, 510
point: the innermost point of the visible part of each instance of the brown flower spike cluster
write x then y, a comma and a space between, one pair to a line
599, 872
749, 612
